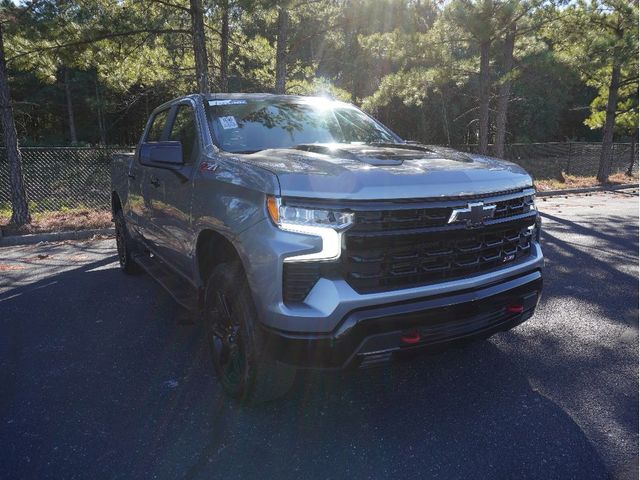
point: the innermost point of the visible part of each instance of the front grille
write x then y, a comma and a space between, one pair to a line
513, 207
394, 245
400, 261
395, 248
433, 216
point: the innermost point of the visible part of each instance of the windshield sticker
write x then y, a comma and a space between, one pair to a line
213, 103
228, 122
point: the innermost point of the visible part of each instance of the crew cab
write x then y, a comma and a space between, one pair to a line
306, 234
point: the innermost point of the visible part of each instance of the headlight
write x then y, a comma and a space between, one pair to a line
326, 224
530, 201
307, 216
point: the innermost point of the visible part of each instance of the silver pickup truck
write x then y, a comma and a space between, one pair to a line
306, 234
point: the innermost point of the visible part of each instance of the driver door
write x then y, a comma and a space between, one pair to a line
171, 191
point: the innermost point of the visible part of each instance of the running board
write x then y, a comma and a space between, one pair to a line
179, 288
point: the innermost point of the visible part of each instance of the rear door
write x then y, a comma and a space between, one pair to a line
172, 205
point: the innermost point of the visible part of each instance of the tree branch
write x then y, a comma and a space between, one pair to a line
172, 5
98, 38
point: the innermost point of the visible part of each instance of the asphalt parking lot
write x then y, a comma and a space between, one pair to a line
102, 377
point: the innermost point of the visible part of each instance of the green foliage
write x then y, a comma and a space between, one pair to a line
319, 87
413, 64
627, 105
596, 34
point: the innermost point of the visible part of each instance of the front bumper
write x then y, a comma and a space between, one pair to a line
264, 248
376, 333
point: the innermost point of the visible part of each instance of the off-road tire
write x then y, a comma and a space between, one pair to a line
260, 378
125, 245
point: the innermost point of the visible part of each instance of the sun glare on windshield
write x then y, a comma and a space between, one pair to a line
249, 126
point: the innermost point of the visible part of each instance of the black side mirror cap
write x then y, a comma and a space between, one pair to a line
169, 152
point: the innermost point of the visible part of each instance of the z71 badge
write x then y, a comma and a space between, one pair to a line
208, 167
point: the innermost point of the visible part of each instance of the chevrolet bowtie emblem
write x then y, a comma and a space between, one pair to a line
474, 214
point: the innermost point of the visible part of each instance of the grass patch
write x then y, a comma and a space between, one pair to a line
64, 220
574, 181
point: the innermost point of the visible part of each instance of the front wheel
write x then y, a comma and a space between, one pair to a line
240, 360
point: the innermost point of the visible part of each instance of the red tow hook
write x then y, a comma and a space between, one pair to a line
410, 338
515, 308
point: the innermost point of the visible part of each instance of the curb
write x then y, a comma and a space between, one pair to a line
552, 193
53, 237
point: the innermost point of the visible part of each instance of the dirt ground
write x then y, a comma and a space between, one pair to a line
73, 219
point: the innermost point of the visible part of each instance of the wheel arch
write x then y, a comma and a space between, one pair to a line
212, 249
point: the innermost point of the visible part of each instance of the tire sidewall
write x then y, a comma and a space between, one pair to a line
229, 280
122, 240
125, 245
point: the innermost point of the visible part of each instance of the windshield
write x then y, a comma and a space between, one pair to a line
247, 126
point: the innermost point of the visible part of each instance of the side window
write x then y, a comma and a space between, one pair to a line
184, 131
157, 127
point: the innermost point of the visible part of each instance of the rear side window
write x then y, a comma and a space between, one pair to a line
157, 126
184, 131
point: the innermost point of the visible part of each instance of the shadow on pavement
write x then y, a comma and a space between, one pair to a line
596, 273
100, 380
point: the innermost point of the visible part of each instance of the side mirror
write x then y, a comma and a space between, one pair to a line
169, 153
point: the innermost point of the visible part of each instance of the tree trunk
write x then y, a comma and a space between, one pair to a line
281, 50
101, 123
350, 32
356, 73
224, 47
504, 91
483, 120
445, 121
610, 122
72, 121
199, 45
20, 209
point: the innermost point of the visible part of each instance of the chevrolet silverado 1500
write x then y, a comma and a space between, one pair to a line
306, 234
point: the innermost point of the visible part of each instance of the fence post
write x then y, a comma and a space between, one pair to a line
566, 170
632, 157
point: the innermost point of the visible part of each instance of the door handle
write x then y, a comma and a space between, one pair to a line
131, 175
155, 182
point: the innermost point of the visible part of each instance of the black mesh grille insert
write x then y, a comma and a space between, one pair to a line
384, 262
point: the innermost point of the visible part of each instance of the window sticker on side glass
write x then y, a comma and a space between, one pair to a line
228, 122
214, 103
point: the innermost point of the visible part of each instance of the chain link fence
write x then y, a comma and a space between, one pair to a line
59, 178
552, 160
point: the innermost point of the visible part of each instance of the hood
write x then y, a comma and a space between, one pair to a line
365, 172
